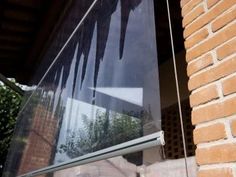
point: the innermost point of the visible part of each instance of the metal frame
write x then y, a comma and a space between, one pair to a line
121, 149
177, 87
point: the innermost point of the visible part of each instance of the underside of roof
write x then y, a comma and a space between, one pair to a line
25, 26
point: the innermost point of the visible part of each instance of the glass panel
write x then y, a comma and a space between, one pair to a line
103, 90
139, 164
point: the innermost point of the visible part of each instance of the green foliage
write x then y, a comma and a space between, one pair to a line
106, 130
9, 106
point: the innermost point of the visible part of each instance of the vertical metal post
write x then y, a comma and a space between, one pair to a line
177, 87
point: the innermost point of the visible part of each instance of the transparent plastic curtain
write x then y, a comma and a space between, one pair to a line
101, 89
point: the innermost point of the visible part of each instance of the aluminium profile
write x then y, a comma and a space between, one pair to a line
139, 144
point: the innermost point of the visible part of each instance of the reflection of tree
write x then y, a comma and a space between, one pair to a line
106, 130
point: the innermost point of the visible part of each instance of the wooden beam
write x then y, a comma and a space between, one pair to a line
14, 39
34, 4
51, 21
20, 15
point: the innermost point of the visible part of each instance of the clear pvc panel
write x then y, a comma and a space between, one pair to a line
107, 87
103, 90
130, 165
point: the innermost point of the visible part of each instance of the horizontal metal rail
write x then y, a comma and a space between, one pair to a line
132, 146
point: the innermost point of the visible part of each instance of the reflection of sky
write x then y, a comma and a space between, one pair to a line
131, 95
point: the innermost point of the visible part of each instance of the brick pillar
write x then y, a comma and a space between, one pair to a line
210, 42
40, 141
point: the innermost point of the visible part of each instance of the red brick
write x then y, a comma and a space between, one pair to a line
184, 2
193, 15
213, 42
215, 73
227, 49
214, 111
196, 38
211, 3
38, 149
220, 172
224, 20
199, 64
186, 9
216, 154
208, 17
229, 85
209, 133
204, 95
233, 127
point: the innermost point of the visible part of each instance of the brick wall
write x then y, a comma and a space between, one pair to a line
210, 42
40, 141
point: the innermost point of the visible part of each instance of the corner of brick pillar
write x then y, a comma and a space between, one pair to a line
210, 43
